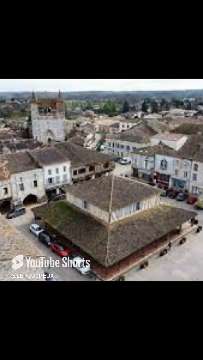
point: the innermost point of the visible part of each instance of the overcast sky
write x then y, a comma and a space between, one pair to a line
99, 84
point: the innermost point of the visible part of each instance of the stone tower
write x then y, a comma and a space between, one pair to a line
48, 119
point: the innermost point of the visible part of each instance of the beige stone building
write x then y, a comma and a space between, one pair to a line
48, 120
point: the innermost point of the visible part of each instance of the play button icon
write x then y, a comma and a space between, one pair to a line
17, 262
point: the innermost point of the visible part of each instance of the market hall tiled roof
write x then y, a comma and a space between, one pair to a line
124, 192
110, 244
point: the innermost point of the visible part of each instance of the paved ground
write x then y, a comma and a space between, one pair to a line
182, 263
61, 274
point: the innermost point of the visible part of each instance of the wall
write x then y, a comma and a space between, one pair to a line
122, 148
139, 162
98, 169
58, 178
116, 215
196, 187
28, 178
132, 210
5, 184
176, 145
91, 209
42, 124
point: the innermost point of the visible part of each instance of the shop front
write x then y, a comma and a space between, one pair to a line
162, 180
179, 184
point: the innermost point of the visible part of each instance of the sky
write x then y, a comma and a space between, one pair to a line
99, 84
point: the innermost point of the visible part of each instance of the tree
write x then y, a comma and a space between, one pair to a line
109, 108
164, 105
154, 107
126, 107
145, 106
177, 103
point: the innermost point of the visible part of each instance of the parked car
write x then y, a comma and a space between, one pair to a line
125, 161
117, 159
192, 199
16, 212
36, 229
173, 194
182, 196
199, 204
163, 193
60, 250
83, 269
45, 238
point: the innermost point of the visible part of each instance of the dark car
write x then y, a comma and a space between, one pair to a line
15, 213
45, 238
172, 194
182, 196
117, 159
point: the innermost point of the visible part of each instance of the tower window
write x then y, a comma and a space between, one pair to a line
21, 187
5, 191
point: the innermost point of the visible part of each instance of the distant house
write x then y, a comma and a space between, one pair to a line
128, 141
175, 141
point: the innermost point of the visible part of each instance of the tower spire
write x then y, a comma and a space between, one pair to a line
59, 95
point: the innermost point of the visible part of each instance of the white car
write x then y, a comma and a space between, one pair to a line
125, 161
35, 229
80, 266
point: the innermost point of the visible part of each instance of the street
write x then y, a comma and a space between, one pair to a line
182, 263
22, 223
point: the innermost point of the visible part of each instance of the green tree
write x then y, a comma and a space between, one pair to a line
145, 106
164, 105
126, 107
154, 107
177, 103
109, 108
